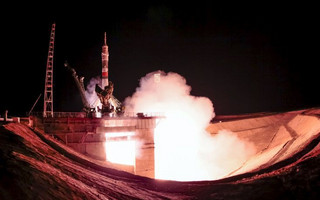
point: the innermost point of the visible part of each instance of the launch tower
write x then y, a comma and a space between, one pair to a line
48, 88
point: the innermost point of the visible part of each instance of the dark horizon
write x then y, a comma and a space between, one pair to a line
244, 59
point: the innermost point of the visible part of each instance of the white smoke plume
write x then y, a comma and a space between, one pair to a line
183, 149
90, 92
224, 153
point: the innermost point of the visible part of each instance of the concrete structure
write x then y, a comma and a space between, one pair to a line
276, 137
90, 135
34, 161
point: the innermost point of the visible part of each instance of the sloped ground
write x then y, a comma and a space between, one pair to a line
276, 136
287, 166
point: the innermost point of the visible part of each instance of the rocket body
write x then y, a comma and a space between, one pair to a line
105, 60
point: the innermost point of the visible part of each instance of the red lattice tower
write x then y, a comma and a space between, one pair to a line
48, 88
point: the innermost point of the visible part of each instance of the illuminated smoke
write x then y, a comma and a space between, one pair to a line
183, 149
91, 94
224, 153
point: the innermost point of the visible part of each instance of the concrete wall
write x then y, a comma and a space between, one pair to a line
94, 150
87, 136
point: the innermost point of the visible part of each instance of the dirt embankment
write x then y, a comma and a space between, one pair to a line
287, 166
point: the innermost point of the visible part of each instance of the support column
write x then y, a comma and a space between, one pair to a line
144, 165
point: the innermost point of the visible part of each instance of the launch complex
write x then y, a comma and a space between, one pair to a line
106, 132
103, 131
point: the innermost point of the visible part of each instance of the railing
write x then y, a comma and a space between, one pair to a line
148, 114
61, 114
83, 114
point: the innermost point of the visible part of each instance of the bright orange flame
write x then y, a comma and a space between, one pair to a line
177, 148
120, 151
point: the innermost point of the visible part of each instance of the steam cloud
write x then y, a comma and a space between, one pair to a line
183, 149
91, 94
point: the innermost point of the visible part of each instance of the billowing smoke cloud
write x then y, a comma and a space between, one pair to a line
224, 153
90, 93
183, 149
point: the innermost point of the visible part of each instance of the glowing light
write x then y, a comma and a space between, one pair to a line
120, 151
157, 77
178, 148
184, 151
98, 114
119, 134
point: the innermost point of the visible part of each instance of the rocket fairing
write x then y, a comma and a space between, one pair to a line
105, 59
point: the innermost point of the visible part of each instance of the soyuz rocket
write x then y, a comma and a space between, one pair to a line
105, 59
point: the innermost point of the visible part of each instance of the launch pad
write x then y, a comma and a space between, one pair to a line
103, 131
98, 138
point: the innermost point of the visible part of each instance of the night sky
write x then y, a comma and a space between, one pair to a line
246, 58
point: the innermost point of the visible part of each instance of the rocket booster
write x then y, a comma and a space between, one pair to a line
105, 59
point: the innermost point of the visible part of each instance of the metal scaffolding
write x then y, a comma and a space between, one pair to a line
48, 88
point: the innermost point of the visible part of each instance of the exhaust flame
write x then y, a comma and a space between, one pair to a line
120, 151
183, 149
